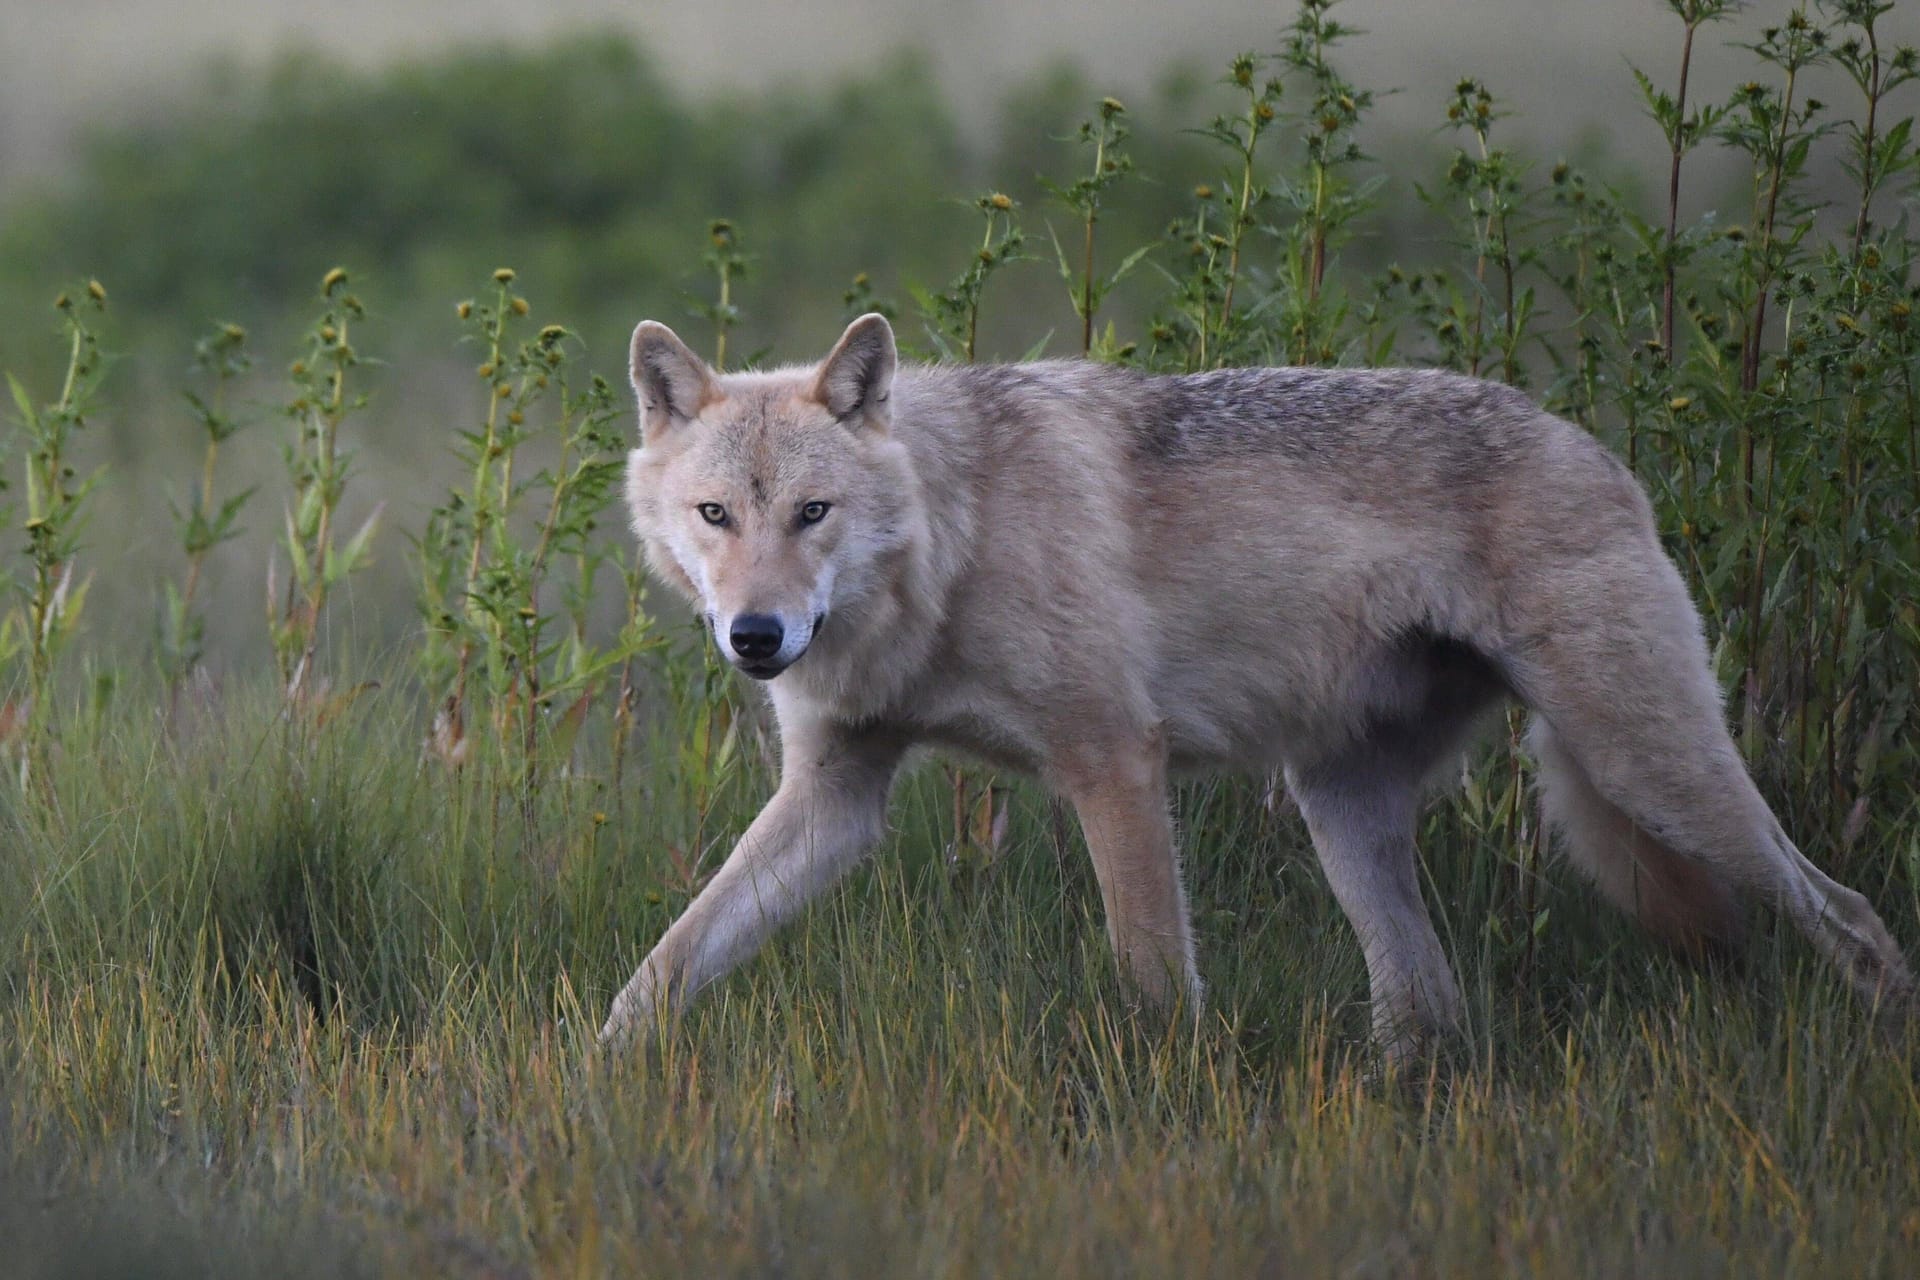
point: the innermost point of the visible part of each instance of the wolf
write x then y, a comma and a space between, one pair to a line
1104, 578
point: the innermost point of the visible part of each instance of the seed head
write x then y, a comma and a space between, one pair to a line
1111, 107
332, 280
464, 310
1001, 201
519, 306
503, 275
97, 292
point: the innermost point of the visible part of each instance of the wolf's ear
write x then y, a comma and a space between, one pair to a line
673, 384
855, 381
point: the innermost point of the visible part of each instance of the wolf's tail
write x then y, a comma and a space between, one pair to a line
1677, 899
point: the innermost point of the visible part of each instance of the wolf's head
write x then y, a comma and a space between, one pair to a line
775, 501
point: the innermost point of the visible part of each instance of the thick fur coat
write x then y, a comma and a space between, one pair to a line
1097, 577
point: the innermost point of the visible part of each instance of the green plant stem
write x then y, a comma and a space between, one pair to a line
1668, 265
1867, 179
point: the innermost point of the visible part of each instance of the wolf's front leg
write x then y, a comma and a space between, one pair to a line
1118, 786
829, 811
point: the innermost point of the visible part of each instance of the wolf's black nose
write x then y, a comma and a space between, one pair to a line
756, 635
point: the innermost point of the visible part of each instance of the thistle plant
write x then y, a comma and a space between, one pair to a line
1485, 197
1776, 128
205, 521
1083, 197
860, 299
494, 636
1872, 153
1683, 131
1244, 197
47, 609
1325, 201
728, 264
1584, 216
953, 314
317, 469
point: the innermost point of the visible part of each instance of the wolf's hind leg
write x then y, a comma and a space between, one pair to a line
1623, 680
1360, 810
1118, 786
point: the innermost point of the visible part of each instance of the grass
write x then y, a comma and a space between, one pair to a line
278, 998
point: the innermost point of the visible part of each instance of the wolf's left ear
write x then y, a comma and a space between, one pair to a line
673, 384
855, 381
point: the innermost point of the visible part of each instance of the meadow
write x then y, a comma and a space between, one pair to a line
301, 959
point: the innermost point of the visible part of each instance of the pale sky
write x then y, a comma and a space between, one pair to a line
1562, 63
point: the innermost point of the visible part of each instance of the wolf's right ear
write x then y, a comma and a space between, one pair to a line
673, 384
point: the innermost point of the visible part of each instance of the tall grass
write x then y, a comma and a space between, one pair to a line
301, 974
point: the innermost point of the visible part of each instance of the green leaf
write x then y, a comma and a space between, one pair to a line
23, 400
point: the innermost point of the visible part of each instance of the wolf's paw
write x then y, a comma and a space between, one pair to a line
629, 1027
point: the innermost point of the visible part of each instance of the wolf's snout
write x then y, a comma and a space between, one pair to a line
756, 636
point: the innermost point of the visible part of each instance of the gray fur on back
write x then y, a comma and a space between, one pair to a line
1304, 414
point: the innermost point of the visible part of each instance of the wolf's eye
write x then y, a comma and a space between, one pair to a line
815, 512
712, 512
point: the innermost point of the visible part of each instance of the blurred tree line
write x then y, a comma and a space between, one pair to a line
576, 161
